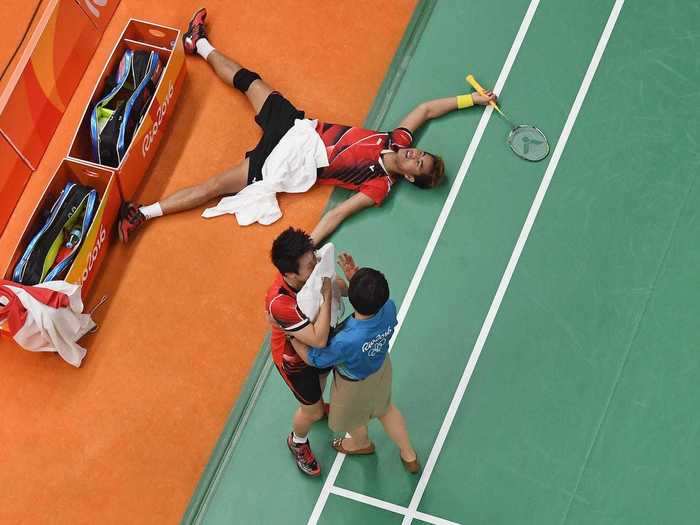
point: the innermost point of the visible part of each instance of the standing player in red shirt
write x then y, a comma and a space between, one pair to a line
366, 161
293, 256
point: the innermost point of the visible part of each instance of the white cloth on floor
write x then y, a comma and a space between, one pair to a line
49, 329
309, 297
290, 168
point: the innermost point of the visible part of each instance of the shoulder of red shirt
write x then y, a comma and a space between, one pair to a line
282, 306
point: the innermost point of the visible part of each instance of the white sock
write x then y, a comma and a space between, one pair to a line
297, 439
152, 211
204, 48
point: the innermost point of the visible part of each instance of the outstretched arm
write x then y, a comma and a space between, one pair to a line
332, 218
438, 107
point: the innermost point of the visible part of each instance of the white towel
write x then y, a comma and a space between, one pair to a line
290, 168
48, 329
309, 297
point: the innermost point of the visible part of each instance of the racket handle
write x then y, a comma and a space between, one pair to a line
472, 81
479, 89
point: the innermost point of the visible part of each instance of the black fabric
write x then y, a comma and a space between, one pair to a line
138, 68
110, 134
305, 383
138, 111
276, 117
244, 78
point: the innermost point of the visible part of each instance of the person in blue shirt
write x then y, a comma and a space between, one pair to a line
358, 351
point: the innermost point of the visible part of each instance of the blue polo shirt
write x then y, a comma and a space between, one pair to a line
359, 348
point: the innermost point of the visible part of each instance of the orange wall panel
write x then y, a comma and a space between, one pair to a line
48, 80
14, 174
99, 11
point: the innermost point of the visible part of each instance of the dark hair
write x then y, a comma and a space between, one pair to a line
288, 248
434, 178
368, 291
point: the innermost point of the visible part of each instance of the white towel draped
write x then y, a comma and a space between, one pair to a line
290, 168
309, 297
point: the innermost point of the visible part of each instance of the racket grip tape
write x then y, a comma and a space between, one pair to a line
479, 89
473, 83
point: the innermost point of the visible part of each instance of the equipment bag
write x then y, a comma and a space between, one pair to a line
116, 116
75, 206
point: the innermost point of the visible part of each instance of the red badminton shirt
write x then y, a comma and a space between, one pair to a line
354, 156
281, 305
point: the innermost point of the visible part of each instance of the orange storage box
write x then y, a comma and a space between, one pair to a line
99, 235
138, 36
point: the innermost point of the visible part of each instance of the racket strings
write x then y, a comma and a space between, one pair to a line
528, 142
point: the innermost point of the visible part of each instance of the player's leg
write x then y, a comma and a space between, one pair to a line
305, 386
305, 416
195, 41
133, 216
246, 81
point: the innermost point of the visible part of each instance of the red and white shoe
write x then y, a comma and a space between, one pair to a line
305, 459
130, 219
195, 31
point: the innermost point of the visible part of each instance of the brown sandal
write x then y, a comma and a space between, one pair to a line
337, 444
411, 466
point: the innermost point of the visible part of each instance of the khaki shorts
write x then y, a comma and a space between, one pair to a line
354, 403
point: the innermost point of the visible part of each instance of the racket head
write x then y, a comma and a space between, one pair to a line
528, 142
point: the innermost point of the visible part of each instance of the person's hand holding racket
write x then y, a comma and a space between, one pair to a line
484, 99
527, 142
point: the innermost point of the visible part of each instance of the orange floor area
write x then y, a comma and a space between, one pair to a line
125, 438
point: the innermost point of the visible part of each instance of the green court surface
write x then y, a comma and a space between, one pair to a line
548, 344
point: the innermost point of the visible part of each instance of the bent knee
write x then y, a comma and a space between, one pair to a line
314, 411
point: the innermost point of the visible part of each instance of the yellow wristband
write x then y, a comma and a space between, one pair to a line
465, 101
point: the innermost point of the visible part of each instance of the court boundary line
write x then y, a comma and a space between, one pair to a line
388, 506
513, 262
437, 230
247, 410
208, 483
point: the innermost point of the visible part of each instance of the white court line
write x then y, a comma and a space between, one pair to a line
385, 505
369, 500
437, 231
433, 519
512, 263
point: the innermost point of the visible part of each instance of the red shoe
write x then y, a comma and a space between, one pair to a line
130, 219
306, 461
195, 31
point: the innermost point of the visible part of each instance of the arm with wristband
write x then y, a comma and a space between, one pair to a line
440, 106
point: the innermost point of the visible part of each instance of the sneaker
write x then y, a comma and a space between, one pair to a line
130, 219
195, 31
306, 461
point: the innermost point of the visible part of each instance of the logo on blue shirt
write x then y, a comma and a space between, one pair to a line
378, 343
